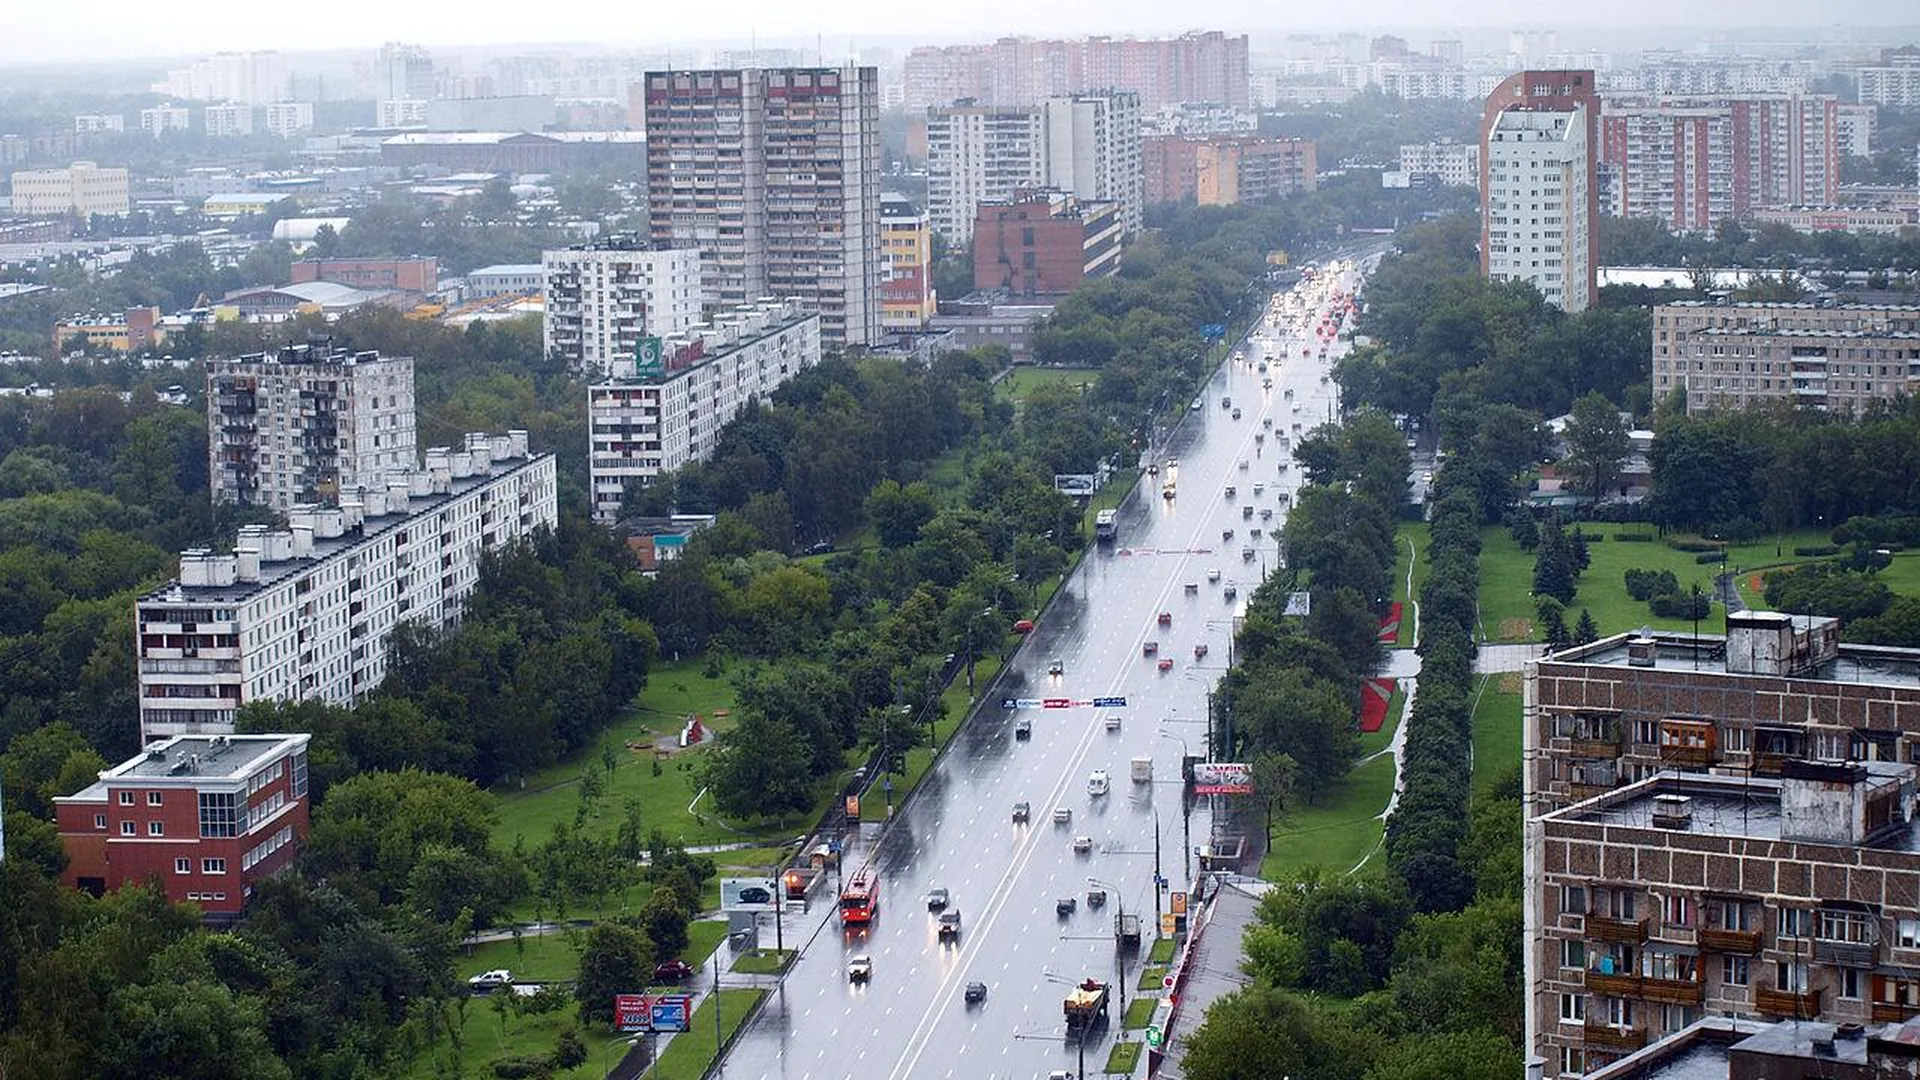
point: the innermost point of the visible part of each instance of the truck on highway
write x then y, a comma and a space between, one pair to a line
1143, 770
1106, 525
1126, 931
1086, 1005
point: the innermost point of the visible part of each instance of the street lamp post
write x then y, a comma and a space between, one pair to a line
1119, 954
1186, 809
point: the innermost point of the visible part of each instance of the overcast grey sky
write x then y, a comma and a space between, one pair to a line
62, 30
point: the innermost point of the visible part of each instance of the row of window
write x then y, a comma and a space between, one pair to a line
1681, 911
184, 865
259, 852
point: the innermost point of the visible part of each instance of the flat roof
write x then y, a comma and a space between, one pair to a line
273, 573
521, 269
1722, 806
1676, 651
707, 358
187, 759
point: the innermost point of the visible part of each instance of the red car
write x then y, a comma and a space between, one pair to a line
673, 971
1165, 664
1166, 618
1024, 626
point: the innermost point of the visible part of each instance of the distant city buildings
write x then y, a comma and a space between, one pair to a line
1855, 127
245, 78
774, 175
665, 405
287, 118
206, 817
907, 299
1538, 192
161, 119
1894, 82
99, 124
514, 151
1692, 163
1223, 170
1200, 66
1450, 164
1088, 145
1044, 243
505, 279
420, 274
307, 612
135, 329
305, 423
227, 121
82, 188
604, 298
1730, 356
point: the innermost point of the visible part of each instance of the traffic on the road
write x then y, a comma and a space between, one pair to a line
892, 980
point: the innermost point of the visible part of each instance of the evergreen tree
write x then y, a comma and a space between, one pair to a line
1584, 631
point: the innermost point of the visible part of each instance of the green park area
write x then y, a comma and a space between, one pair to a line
692, 1052
1410, 542
1023, 380
1496, 727
1122, 1058
1341, 832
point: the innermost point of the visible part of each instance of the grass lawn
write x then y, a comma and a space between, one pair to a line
1339, 832
484, 1038
545, 958
1162, 950
1122, 1058
1496, 727
1417, 533
1506, 580
763, 962
1139, 1013
1150, 977
1025, 379
690, 1053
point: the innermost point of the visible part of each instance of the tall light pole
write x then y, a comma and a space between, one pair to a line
1186, 808
1119, 953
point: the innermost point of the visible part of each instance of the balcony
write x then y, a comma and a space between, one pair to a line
1698, 757
1616, 985
1623, 1040
1888, 1012
1786, 1003
1594, 747
1671, 991
1851, 954
1739, 942
1620, 931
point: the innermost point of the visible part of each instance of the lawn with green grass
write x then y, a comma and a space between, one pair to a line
1496, 727
1339, 832
1506, 579
690, 1053
487, 1035
763, 962
1025, 379
1162, 950
542, 958
1122, 1059
1139, 1013
1151, 977
1417, 534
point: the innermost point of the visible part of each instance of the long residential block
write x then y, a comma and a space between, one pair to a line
1729, 356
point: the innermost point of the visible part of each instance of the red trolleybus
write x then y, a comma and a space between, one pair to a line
861, 897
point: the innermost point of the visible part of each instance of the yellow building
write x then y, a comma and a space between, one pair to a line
906, 239
139, 328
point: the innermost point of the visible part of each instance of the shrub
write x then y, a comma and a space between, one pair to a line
1635, 538
521, 1068
1692, 544
1711, 557
1647, 584
1814, 551
1679, 605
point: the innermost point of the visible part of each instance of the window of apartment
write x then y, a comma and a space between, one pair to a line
127, 828
1677, 911
1573, 954
1906, 933
1613, 903
156, 828
1737, 914
1646, 732
219, 814
213, 866
126, 798
1616, 1012
1739, 739
183, 866
1852, 927
1573, 1008
1573, 1061
1790, 976
1795, 922
1735, 970
99, 821
1573, 899
1675, 1017
153, 798
1659, 963
1850, 984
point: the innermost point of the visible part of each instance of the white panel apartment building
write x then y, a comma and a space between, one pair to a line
1451, 164
287, 118
228, 121
305, 423
1087, 144
1537, 202
603, 297
643, 422
82, 188
306, 612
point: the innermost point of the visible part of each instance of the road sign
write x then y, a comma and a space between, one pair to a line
630, 1012
1179, 903
1155, 1036
1109, 703
670, 1012
1168, 922
1166, 982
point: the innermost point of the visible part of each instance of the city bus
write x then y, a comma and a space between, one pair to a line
1106, 525
861, 897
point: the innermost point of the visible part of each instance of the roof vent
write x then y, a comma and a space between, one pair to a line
1850, 1031
1672, 811
1641, 651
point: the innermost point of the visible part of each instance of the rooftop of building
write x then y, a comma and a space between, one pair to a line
1707, 654
1711, 1049
1793, 305
1748, 808
274, 571
326, 294
710, 341
315, 350
508, 270
186, 760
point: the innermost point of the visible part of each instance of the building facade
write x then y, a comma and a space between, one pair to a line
161, 119
138, 328
1450, 164
505, 279
82, 188
907, 300
1539, 198
774, 176
287, 118
603, 298
1856, 127
1896, 86
1692, 163
1728, 356
1088, 145
658, 412
1044, 244
306, 612
206, 817
1853, 219
1643, 912
1223, 170
1203, 66
247, 78
419, 273
306, 423
227, 121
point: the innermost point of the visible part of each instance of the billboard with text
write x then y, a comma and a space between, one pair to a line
1222, 778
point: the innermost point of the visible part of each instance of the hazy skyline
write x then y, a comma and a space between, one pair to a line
144, 29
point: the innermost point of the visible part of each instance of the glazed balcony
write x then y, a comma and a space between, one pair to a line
1786, 1003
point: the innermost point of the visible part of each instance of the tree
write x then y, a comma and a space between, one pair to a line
760, 768
1553, 622
1260, 1033
193, 1030
615, 961
899, 512
664, 917
1273, 781
374, 829
1585, 632
1458, 1055
1597, 444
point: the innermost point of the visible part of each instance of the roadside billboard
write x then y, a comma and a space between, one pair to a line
1076, 483
1222, 778
630, 1012
748, 894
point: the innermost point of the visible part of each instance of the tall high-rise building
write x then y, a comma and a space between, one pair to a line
245, 78
305, 423
774, 175
1539, 190
1087, 145
906, 291
1692, 163
604, 297
404, 72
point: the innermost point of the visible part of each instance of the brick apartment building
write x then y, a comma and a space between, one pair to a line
1728, 356
419, 274
1720, 824
205, 816
1223, 170
1044, 243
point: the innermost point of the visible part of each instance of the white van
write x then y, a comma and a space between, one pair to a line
1097, 784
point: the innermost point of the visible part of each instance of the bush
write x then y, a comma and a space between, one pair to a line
1814, 551
521, 1068
1635, 538
1679, 605
1711, 557
1647, 584
1687, 544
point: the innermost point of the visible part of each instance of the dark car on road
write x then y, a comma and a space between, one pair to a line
673, 971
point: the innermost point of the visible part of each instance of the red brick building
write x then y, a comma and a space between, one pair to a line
1044, 243
205, 816
420, 274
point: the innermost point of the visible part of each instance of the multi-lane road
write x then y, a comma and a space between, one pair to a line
911, 1020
